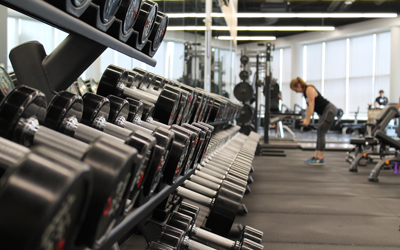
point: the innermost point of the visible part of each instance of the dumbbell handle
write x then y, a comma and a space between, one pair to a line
10, 153
205, 182
213, 238
199, 188
199, 198
139, 94
193, 245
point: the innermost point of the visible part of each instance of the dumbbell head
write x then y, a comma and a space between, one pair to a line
128, 13
135, 109
21, 103
180, 221
115, 80
250, 245
145, 22
172, 237
159, 30
108, 9
27, 212
189, 210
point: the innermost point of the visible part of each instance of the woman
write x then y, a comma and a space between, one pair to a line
325, 110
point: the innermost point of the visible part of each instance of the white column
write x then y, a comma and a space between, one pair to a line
296, 71
395, 65
207, 54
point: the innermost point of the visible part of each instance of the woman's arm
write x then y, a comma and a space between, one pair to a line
311, 94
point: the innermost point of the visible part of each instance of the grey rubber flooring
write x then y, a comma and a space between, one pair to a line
305, 207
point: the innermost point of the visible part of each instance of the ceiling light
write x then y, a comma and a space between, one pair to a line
316, 15
248, 38
176, 28
285, 28
193, 15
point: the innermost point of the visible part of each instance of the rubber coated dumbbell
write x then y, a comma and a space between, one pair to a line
115, 164
28, 179
180, 147
115, 81
185, 220
65, 113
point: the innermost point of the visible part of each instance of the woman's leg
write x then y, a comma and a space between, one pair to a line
324, 125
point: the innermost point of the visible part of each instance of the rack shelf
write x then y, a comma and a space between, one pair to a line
133, 218
49, 14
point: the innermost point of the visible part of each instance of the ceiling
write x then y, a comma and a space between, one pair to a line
280, 6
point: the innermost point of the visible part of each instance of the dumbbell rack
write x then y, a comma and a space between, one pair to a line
134, 217
74, 55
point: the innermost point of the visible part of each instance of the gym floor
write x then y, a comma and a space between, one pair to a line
326, 207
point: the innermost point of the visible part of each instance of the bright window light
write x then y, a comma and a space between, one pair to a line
248, 38
316, 15
285, 28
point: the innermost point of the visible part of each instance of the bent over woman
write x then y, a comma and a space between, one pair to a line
325, 110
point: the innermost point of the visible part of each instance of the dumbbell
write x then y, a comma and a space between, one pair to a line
145, 22
157, 34
202, 99
185, 219
158, 82
115, 81
65, 113
43, 195
115, 164
108, 9
176, 239
91, 85
193, 135
245, 232
223, 208
146, 81
128, 14
163, 144
179, 148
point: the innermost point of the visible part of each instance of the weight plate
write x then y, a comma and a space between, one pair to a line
27, 212
113, 79
63, 105
95, 106
246, 114
159, 30
243, 91
108, 9
21, 103
118, 108
167, 106
244, 75
127, 13
244, 59
135, 109
223, 212
145, 21
91, 85
148, 110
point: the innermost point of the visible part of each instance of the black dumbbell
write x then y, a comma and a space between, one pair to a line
163, 145
114, 164
157, 34
180, 145
185, 218
223, 208
65, 113
43, 196
91, 85
115, 81
146, 81
128, 14
145, 21
108, 9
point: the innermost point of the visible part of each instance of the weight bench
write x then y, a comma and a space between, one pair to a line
366, 145
387, 141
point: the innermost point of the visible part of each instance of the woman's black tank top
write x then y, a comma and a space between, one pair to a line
320, 102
